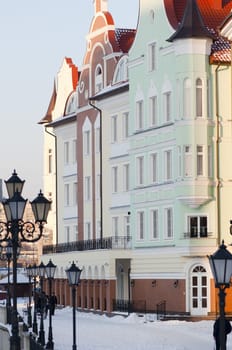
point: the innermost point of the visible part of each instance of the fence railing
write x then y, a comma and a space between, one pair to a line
122, 305
118, 242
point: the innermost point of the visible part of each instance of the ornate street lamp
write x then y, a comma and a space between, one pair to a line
17, 231
221, 266
74, 274
50, 270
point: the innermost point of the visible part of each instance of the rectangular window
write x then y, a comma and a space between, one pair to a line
114, 179
197, 226
167, 106
200, 160
88, 230
152, 56
140, 170
168, 165
87, 188
125, 125
115, 226
188, 161
97, 140
75, 232
50, 161
75, 193
168, 215
140, 225
210, 161
139, 115
154, 224
66, 195
98, 233
67, 234
154, 167
114, 130
74, 151
98, 186
153, 110
127, 226
126, 177
87, 142
66, 152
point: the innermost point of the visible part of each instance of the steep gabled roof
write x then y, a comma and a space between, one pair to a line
124, 38
192, 25
48, 116
212, 13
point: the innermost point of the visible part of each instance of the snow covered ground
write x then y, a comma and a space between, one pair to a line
110, 333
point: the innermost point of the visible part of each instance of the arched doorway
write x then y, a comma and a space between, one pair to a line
199, 291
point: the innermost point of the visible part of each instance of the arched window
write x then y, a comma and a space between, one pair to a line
98, 79
199, 98
187, 98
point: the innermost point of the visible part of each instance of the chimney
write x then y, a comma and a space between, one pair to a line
100, 5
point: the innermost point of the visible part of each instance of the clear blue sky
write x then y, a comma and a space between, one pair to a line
35, 36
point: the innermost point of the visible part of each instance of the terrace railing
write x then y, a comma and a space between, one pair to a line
118, 242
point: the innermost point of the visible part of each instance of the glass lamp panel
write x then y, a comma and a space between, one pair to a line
73, 275
41, 269
13, 184
40, 207
221, 265
17, 206
50, 269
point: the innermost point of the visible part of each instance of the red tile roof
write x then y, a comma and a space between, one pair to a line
213, 13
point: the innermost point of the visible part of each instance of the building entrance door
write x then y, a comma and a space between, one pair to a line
199, 291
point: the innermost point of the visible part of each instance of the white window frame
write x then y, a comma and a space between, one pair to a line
97, 140
66, 153
127, 226
114, 179
187, 98
168, 223
141, 225
152, 56
168, 164
115, 226
125, 125
140, 170
153, 110
67, 234
154, 167
74, 193
139, 115
50, 161
188, 161
74, 153
167, 96
114, 128
88, 230
198, 230
200, 160
87, 188
98, 78
199, 98
87, 142
67, 195
154, 222
126, 177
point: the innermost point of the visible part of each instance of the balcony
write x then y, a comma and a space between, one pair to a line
90, 244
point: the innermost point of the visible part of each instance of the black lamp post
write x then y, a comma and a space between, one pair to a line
29, 317
41, 274
6, 254
17, 231
74, 274
50, 270
221, 266
34, 273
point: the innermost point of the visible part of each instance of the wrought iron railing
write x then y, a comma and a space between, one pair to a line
122, 305
122, 242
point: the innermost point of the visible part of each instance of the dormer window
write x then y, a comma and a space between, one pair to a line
98, 79
121, 72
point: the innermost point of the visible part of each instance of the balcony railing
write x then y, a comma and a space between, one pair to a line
90, 244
